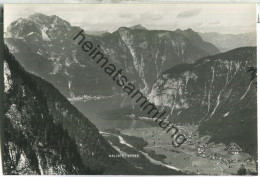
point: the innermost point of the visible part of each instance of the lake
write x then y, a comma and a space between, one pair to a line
110, 113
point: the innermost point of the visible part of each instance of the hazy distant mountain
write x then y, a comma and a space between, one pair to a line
225, 42
44, 46
140, 27
215, 92
97, 33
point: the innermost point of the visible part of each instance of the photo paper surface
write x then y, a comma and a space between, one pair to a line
130, 89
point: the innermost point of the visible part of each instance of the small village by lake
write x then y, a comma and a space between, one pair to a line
197, 155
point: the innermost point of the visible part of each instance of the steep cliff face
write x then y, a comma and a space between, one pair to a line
149, 51
215, 92
45, 134
43, 45
33, 143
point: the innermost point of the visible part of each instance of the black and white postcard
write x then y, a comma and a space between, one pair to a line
130, 89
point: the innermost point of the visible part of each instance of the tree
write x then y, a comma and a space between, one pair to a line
241, 170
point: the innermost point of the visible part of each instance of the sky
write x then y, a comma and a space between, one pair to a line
221, 18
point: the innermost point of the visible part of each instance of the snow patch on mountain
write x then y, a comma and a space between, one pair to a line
7, 77
30, 33
44, 35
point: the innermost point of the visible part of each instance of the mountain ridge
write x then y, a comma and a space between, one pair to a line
30, 103
227, 42
135, 51
215, 92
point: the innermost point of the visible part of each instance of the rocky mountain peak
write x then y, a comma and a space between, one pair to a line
188, 33
140, 27
42, 26
38, 16
195, 38
189, 30
48, 20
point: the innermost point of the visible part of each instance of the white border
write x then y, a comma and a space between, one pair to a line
151, 1
124, 1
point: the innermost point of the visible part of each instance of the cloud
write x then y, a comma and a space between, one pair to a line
221, 18
215, 23
189, 13
142, 16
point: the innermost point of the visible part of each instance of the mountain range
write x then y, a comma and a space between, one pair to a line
182, 71
44, 46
